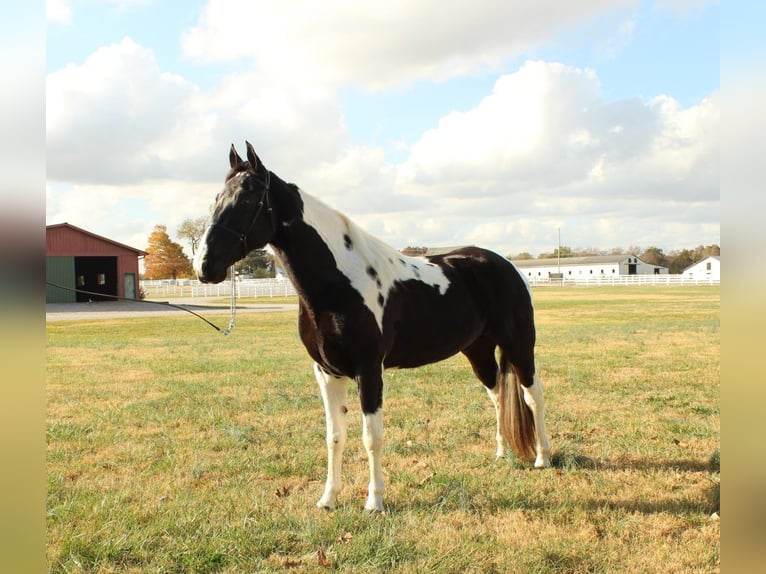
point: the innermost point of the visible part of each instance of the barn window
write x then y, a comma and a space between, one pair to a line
709, 266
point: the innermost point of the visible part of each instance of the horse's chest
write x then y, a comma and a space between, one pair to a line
340, 342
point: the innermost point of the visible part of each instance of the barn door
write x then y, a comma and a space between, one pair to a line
130, 285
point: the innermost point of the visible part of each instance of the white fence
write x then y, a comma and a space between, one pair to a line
622, 280
257, 288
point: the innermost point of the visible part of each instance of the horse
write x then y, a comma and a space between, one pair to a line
365, 307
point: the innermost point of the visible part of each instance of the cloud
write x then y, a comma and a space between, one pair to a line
128, 212
546, 130
119, 118
58, 11
546, 150
104, 116
338, 42
543, 150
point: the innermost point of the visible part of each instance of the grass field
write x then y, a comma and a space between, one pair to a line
174, 449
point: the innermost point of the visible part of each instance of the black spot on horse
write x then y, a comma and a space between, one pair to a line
381, 299
347, 242
372, 272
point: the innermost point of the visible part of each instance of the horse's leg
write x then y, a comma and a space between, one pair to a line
481, 355
371, 397
533, 396
334, 395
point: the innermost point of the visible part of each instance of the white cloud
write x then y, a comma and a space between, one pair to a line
118, 117
104, 115
543, 150
128, 212
546, 129
58, 11
339, 42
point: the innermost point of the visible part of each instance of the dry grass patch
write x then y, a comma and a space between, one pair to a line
173, 449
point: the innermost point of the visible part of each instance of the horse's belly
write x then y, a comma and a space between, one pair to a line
416, 343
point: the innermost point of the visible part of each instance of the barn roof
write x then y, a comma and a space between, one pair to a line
587, 260
65, 225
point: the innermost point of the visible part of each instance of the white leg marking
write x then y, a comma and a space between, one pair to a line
334, 393
500, 452
372, 437
533, 396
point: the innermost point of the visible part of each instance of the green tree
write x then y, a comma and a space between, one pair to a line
192, 230
654, 256
258, 264
414, 251
165, 259
565, 252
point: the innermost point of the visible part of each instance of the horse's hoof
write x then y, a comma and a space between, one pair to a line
374, 505
543, 461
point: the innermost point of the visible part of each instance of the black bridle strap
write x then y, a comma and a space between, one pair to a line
242, 237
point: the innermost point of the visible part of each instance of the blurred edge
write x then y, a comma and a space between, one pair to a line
743, 426
22, 250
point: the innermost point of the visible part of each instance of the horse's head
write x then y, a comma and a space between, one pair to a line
240, 220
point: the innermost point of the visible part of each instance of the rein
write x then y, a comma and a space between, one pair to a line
225, 331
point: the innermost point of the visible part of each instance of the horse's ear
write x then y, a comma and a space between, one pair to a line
252, 157
234, 159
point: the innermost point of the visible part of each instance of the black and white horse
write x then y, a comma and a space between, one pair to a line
365, 307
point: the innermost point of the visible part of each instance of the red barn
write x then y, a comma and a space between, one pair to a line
79, 259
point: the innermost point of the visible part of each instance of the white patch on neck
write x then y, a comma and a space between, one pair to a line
368, 253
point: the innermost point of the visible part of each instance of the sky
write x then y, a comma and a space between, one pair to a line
429, 123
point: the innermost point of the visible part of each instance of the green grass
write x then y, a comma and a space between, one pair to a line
174, 449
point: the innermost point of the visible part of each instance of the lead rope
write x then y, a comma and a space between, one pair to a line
233, 304
226, 331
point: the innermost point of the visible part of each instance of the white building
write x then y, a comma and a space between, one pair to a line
591, 267
708, 268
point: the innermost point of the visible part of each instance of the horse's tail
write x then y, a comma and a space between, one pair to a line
517, 424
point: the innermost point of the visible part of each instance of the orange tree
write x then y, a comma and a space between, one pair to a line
165, 259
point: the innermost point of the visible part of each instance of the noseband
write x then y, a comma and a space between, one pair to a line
242, 237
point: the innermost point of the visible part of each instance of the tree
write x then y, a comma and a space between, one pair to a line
654, 256
165, 259
565, 252
414, 251
258, 264
192, 229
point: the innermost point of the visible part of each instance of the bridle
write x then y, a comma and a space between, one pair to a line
264, 202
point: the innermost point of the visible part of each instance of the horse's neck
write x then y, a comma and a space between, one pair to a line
306, 241
323, 244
